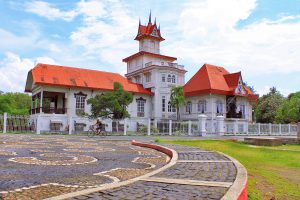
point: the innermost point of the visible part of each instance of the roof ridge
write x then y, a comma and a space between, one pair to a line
208, 75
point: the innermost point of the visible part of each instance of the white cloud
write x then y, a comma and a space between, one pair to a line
14, 69
209, 34
47, 10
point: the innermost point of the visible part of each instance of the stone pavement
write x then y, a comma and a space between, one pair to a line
42, 166
197, 174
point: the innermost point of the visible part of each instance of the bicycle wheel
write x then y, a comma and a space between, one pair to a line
91, 133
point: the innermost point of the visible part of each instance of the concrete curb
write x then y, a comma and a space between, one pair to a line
239, 188
170, 152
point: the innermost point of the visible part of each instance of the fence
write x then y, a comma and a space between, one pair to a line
48, 123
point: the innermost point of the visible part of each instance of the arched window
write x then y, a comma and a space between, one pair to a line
219, 107
189, 107
202, 106
173, 79
169, 78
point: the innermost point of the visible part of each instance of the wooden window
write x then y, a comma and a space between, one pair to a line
189, 107
140, 102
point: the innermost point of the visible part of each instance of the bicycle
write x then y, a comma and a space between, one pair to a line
93, 131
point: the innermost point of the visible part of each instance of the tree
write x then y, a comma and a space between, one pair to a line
177, 98
289, 110
111, 104
15, 103
268, 105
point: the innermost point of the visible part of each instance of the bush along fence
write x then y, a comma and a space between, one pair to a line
142, 126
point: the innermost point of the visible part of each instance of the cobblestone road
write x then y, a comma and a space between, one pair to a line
36, 167
198, 174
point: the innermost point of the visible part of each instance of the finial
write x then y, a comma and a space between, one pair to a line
139, 21
155, 20
149, 17
158, 26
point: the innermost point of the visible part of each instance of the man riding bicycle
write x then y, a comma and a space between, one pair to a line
98, 126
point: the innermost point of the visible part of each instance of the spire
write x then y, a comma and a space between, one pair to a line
149, 22
155, 20
139, 21
158, 26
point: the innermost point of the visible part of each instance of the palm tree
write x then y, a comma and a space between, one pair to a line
177, 98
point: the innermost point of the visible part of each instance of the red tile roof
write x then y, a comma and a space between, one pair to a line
45, 74
215, 80
169, 58
146, 31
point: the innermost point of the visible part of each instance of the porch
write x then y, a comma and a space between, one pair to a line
48, 102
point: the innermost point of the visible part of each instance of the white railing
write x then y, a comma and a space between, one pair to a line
164, 64
143, 126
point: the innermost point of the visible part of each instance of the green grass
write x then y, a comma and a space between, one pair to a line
272, 173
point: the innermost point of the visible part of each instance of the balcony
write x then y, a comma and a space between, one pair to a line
48, 110
164, 64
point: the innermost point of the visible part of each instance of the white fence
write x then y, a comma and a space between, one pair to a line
48, 123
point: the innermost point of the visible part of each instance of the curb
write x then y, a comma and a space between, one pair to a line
239, 188
170, 152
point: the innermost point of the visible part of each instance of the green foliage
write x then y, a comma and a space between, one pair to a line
177, 98
15, 103
266, 109
112, 104
289, 110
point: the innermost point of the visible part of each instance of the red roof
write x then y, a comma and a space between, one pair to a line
45, 74
150, 30
169, 58
215, 80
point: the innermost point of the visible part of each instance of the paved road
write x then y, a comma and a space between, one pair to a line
36, 167
198, 174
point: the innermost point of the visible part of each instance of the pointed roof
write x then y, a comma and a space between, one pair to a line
148, 31
215, 80
70, 77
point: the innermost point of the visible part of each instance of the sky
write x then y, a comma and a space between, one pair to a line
260, 38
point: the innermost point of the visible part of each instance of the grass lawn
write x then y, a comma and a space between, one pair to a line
273, 173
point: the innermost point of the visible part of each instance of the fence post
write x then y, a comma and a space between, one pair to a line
298, 132
125, 126
149, 127
190, 128
170, 127
258, 127
235, 127
70, 125
4, 122
247, 127
202, 124
38, 127
289, 131
270, 128
279, 129
220, 125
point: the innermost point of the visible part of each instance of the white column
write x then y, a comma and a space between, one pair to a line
125, 126
38, 126
149, 127
4, 122
202, 124
70, 125
247, 127
190, 128
258, 127
289, 131
41, 101
170, 127
270, 128
220, 125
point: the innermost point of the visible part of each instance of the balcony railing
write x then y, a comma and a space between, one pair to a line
235, 115
164, 64
48, 110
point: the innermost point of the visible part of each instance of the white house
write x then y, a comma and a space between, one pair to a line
59, 93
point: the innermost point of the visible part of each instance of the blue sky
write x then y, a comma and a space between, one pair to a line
258, 37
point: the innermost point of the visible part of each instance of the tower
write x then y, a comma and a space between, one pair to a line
154, 71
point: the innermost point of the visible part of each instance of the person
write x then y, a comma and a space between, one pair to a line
98, 125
